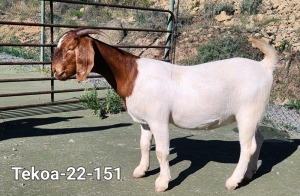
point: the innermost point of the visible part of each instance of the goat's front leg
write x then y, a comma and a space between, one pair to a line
162, 142
145, 144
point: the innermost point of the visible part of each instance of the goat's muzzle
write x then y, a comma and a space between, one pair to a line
60, 75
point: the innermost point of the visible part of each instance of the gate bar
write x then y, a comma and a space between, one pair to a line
54, 45
46, 92
113, 5
77, 26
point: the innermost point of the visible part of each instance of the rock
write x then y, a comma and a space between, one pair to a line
222, 17
292, 19
266, 39
260, 17
271, 30
256, 35
196, 9
269, 12
297, 25
131, 19
251, 25
233, 22
228, 23
279, 38
275, 3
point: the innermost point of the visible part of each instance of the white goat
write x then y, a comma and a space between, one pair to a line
155, 93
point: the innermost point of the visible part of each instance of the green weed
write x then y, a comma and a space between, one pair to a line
113, 102
76, 13
19, 52
293, 105
111, 105
269, 20
284, 46
91, 100
251, 6
213, 8
140, 18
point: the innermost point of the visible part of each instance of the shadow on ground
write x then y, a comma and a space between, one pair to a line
200, 152
30, 127
41, 110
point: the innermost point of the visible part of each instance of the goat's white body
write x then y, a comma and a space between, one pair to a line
204, 96
198, 97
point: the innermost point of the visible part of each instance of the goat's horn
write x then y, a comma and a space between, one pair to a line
82, 32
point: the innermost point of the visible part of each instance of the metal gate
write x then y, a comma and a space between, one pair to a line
169, 47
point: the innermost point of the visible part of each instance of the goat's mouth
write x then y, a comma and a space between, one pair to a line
62, 75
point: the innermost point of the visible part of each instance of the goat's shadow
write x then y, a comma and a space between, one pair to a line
31, 127
201, 152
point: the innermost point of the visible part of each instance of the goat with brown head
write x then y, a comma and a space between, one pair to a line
74, 55
78, 53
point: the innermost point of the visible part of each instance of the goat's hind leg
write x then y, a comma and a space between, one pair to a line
247, 127
252, 167
145, 144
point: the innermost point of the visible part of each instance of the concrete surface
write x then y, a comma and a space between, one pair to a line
59, 137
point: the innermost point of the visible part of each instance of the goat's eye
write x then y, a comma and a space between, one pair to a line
70, 49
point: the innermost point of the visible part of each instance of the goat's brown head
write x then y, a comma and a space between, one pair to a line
74, 54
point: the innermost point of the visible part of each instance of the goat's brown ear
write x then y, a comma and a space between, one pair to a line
84, 59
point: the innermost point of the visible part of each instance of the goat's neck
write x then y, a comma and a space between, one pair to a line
118, 67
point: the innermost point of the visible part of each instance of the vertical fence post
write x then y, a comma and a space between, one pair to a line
170, 27
52, 48
42, 57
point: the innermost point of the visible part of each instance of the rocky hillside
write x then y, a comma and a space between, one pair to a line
202, 26
275, 20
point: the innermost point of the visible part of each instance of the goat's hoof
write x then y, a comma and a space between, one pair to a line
249, 174
161, 184
231, 184
139, 172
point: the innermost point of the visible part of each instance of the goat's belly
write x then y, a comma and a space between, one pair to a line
202, 125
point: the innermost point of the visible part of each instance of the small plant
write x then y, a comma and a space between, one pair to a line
111, 105
70, 22
113, 102
5, 4
140, 3
140, 18
251, 6
197, 4
91, 100
284, 46
93, 23
293, 105
288, 127
213, 8
76, 13
269, 20
21, 52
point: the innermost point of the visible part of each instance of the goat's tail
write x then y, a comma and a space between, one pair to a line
271, 57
